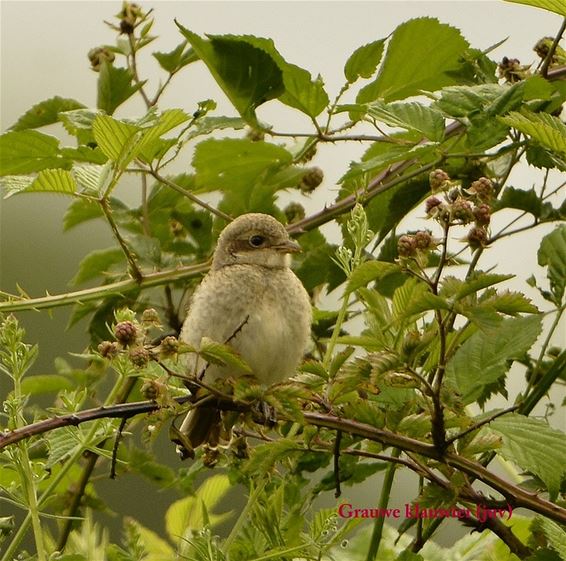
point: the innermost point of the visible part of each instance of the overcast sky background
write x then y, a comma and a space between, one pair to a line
44, 48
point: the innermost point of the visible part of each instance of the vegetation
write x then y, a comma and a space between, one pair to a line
445, 128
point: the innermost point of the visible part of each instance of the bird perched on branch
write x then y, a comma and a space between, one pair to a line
253, 302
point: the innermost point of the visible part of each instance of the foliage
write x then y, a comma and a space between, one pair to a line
441, 333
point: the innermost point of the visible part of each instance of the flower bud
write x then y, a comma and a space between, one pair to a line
98, 55
139, 356
108, 349
462, 211
482, 188
423, 240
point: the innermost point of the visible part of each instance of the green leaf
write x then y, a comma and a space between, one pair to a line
40, 384
221, 354
511, 303
114, 87
482, 359
480, 281
28, 151
118, 140
556, 6
54, 181
411, 116
97, 263
45, 113
521, 199
176, 59
206, 125
423, 303
191, 513
460, 101
364, 60
419, 56
264, 457
370, 271
247, 74
543, 128
93, 179
535, 447
235, 163
554, 533
552, 254
407, 293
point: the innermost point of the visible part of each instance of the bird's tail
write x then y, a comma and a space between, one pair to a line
202, 425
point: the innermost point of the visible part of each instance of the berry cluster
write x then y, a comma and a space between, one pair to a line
460, 206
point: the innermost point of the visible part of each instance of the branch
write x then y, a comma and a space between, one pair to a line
98, 292
514, 494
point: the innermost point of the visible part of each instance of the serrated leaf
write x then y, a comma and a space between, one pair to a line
460, 101
552, 254
80, 211
407, 293
247, 74
479, 282
535, 447
115, 86
190, 513
511, 303
264, 457
364, 60
45, 113
206, 125
554, 533
556, 6
174, 60
414, 62
93, 179
370, 271
97, 263
412, 116
423, 303
58, 181
482, 359
235, 163
222, 354
543, 128
521, 199
28, 151
114, 137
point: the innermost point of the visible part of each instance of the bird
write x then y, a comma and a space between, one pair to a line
252, 301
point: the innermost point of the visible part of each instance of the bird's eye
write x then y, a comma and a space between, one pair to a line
257, 241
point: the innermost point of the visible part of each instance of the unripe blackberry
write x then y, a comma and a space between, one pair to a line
169, 346
125, 332
98, 55
151, 317
482, 189
139, 356
108, 349
127, 26
437, 179
477, 237
294, 212
482, 214
406, 246
432, 204
462, 211
152, 389
423, 240
311, 180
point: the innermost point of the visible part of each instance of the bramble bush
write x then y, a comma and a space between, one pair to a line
444, 127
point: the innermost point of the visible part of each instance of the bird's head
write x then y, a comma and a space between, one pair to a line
254, 239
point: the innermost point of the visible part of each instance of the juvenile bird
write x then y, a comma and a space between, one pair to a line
252, 301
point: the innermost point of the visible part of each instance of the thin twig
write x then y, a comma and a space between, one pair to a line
337, 442
481, 423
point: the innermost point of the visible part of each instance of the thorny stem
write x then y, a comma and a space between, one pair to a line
189, 195
548, 59
134, 269
134, 68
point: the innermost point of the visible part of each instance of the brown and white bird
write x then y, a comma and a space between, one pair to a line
252, 301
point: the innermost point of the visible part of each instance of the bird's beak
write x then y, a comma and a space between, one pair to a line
290, 246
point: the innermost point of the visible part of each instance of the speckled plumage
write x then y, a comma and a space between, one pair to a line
252, 300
